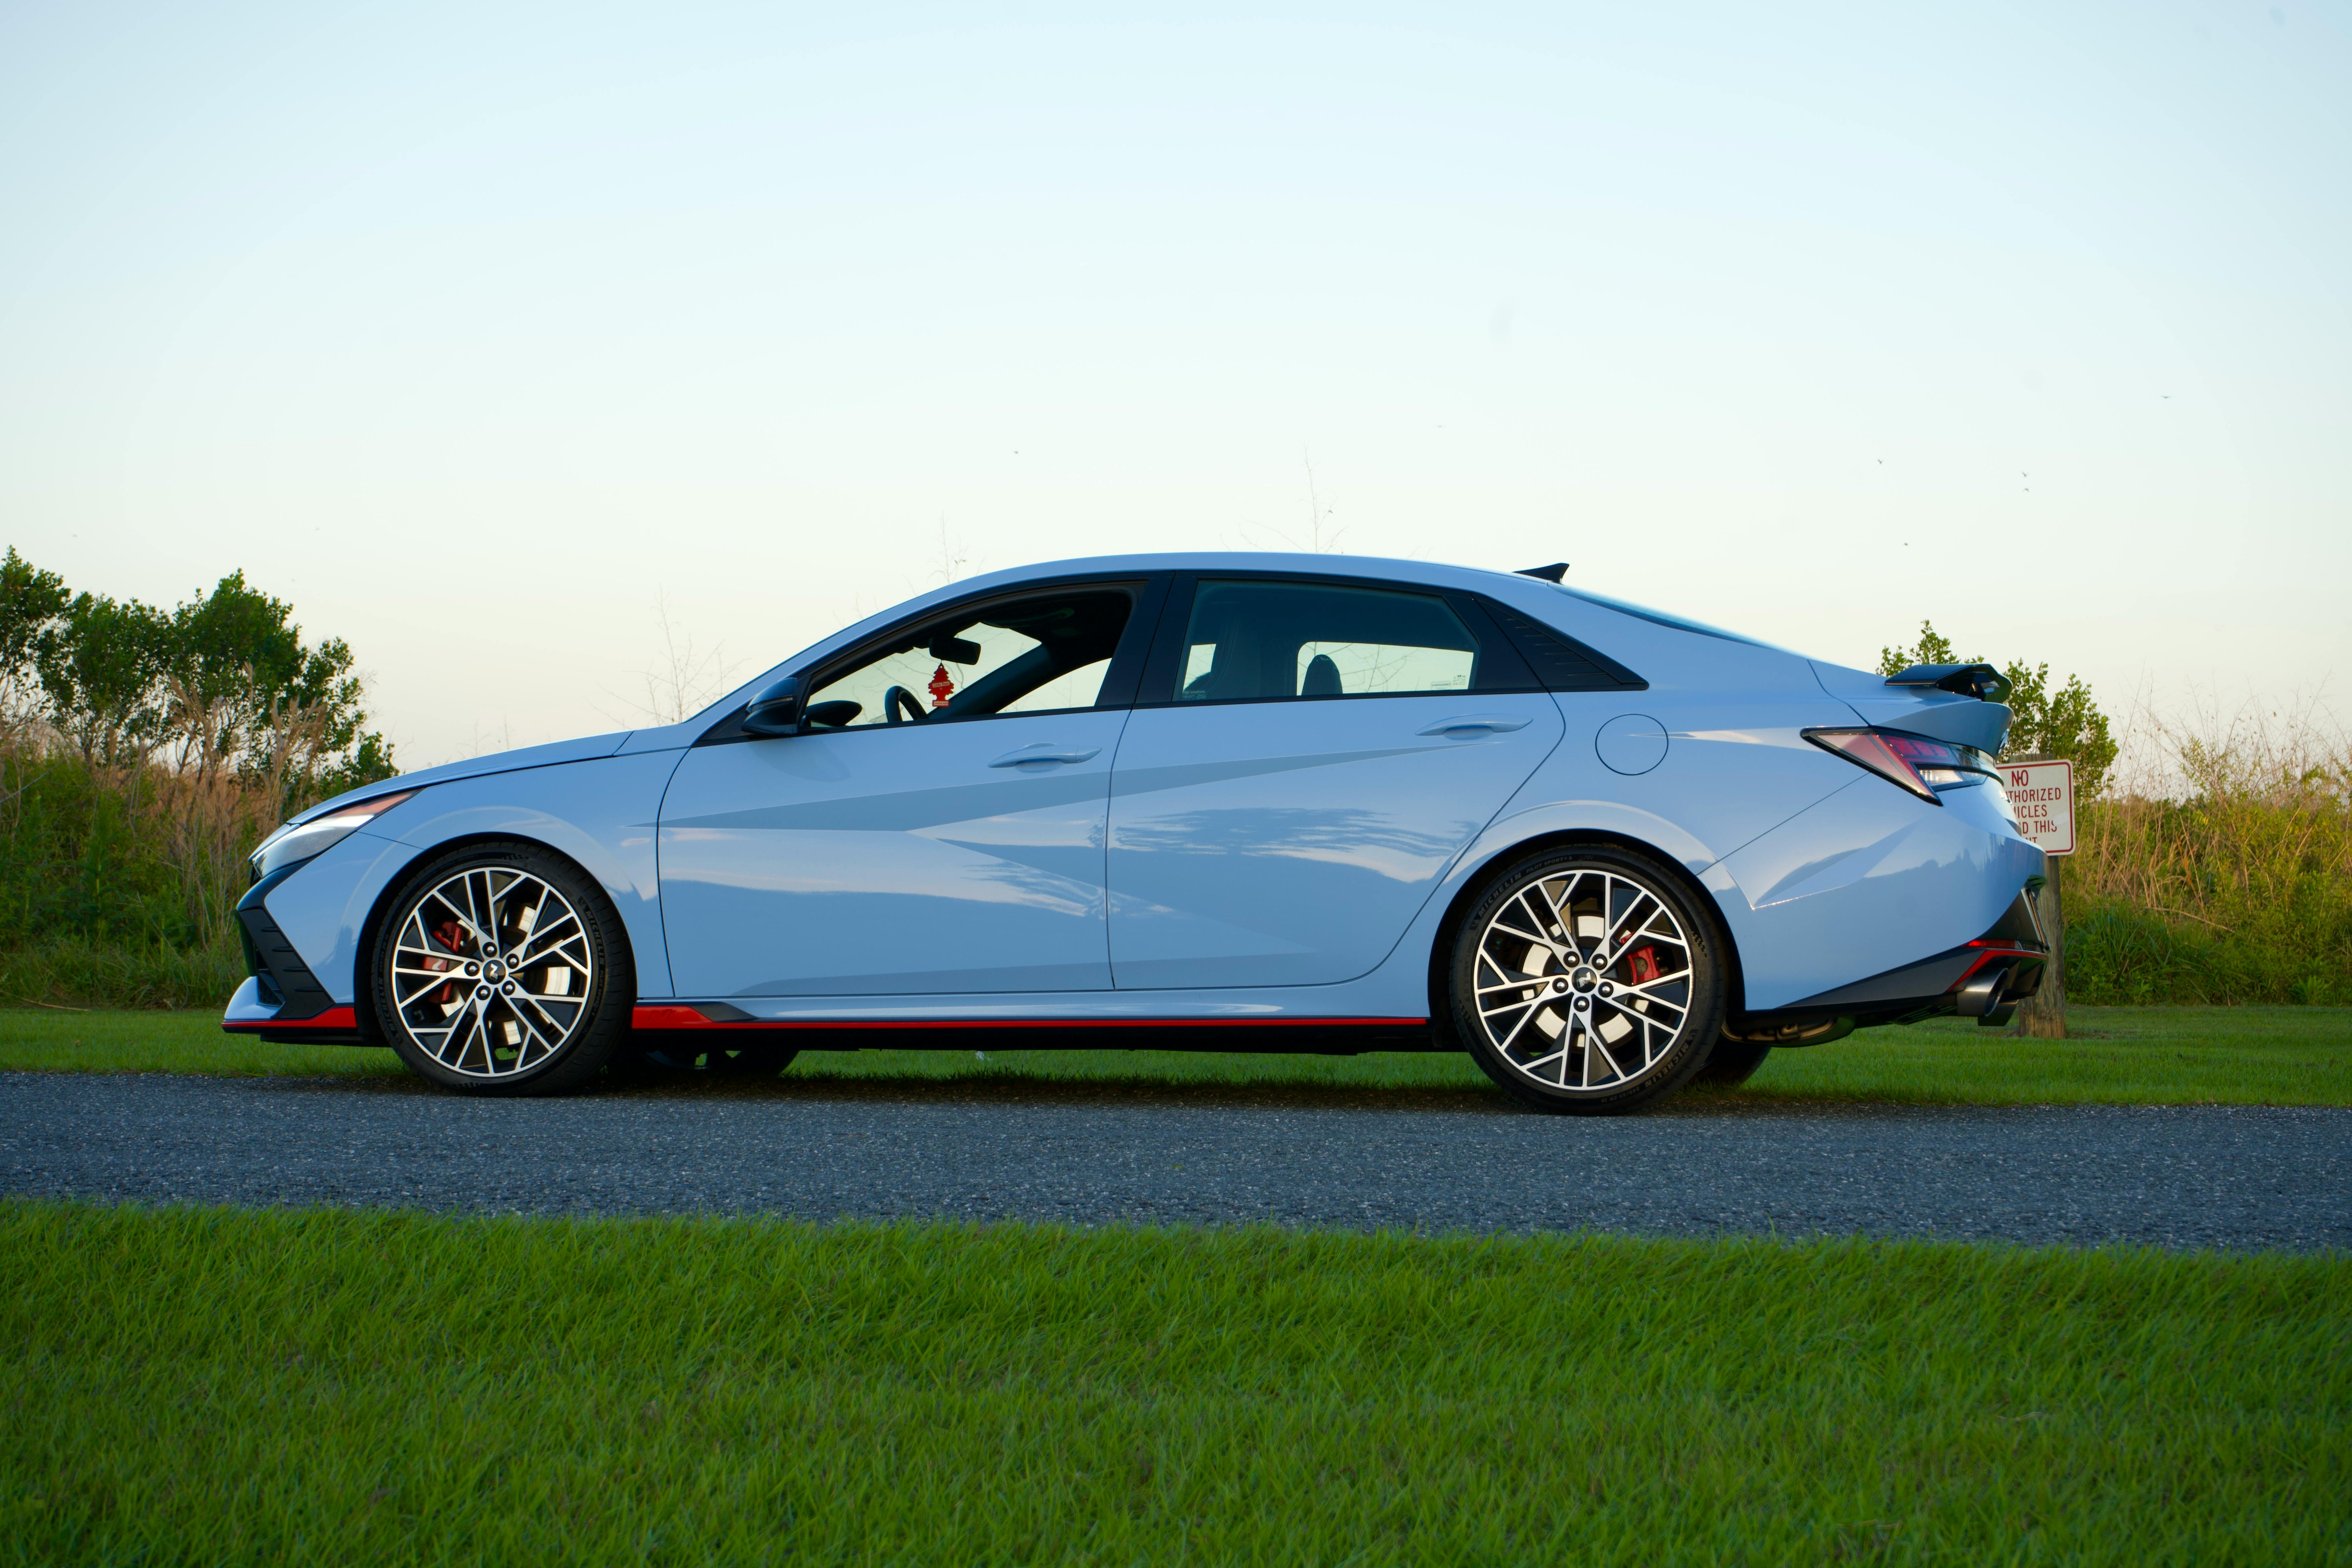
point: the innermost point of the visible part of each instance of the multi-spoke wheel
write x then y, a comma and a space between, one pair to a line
495, 973
1585, 981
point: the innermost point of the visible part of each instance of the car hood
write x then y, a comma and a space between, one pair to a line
586, 749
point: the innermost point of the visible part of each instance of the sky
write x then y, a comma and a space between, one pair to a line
517, 344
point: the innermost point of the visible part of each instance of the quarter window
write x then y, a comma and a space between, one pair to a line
1262, 640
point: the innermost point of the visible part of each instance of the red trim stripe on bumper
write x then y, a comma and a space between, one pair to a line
332, 1019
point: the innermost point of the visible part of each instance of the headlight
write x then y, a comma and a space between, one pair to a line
291, 845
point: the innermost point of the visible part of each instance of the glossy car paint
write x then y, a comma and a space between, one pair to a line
1872, 871
1290, 843
1821, 874
898, 859
602, 812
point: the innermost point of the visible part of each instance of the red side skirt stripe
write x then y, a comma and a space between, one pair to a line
676, 1016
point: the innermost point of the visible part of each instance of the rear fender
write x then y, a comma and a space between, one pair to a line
1866, 882
1421, 957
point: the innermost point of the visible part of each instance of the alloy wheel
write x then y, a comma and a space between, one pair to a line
1583, 981
492, 972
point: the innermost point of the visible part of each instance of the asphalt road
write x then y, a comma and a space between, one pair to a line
2175, 1176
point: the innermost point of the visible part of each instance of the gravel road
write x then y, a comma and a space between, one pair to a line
2177, 1176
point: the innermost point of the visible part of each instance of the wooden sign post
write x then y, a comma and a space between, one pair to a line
2041, 791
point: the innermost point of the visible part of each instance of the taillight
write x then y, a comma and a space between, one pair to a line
1917, 763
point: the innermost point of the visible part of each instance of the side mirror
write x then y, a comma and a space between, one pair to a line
775, 708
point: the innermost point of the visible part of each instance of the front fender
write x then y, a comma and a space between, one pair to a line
601, 813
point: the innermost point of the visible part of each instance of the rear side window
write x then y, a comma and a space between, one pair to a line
1260, 641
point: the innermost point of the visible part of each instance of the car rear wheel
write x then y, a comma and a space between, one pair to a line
501, 970
1585, 981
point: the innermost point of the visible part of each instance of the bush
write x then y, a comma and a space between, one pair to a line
2237, 890
86, 975
143, 752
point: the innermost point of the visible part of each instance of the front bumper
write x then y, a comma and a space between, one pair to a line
257, 1012
281, 1000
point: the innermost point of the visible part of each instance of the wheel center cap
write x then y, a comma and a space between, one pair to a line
494, 971
1585, 979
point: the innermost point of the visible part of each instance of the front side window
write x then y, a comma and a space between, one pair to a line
1264, 640
1018, 656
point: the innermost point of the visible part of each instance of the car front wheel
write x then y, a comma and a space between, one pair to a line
1585, 981
501, 969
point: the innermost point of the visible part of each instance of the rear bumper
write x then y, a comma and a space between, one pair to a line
1984, 979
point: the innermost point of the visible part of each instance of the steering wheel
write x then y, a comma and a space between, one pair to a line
899, 701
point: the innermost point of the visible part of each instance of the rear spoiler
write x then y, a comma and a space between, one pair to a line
1981, 681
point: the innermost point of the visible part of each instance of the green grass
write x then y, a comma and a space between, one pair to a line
2243, 1056
243, 1386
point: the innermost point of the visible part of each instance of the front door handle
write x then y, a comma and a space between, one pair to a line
1477, 723
1043, 753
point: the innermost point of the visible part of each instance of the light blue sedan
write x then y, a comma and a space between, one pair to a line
1234, 802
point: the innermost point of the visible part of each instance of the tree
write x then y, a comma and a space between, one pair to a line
2062, 723
226, 678
248, 693
101, 666
31, 601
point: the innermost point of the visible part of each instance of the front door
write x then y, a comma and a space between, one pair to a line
1320, 754
936, 826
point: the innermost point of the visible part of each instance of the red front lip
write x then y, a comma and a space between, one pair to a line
332, 1019
674, 1016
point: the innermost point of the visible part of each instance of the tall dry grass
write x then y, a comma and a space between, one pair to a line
2222, 870
118, 881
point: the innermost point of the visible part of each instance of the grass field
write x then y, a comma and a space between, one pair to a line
239, 1386
2245, 1055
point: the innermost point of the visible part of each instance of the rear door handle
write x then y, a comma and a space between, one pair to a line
1043, 753
1476, 723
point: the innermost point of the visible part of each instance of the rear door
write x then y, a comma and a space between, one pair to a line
1309, 757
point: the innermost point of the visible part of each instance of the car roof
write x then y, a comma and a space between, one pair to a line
1321, 565
1555, 605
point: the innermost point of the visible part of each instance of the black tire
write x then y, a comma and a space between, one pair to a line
549, 1025
1731, 1063
734, 1059
1589, 895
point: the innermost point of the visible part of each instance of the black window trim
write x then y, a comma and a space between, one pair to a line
1510, 621
1120, 682
1176, 615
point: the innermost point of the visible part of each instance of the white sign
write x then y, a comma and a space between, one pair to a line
2042, 794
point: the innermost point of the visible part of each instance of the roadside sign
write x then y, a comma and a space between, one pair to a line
2042, 794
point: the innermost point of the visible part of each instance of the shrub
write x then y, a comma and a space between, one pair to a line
2236, 888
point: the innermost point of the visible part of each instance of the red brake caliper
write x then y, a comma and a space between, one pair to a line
1642, 965
451, 936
